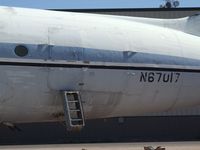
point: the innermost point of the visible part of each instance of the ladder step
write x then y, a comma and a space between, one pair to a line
73, 101
72, 92
76, 119
75, 110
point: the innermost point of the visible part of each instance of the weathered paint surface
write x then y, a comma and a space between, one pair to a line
121, 67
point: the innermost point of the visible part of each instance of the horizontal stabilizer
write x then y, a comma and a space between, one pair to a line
190, 25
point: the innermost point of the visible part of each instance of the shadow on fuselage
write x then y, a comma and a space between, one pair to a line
137, 129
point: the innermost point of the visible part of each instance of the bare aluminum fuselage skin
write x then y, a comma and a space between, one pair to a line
121, 67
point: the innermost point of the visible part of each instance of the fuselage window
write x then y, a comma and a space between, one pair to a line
21, 51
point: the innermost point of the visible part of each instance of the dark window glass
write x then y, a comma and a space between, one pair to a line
21, 51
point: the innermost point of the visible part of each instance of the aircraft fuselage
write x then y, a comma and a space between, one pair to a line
120, 67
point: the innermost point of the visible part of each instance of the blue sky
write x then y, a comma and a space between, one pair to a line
93, 3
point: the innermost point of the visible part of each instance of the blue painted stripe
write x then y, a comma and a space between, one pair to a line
93, 55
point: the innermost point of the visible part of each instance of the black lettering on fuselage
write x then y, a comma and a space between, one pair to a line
177, 76
151, 76
143, 77
165, 77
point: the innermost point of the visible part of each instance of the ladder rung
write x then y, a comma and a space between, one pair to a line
72, 92
75, 110
73, 101
76, 119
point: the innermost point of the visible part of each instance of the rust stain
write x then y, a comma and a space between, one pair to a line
58, 115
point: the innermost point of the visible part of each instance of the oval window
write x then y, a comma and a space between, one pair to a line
21, 51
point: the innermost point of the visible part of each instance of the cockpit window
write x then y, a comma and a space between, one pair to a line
21, 50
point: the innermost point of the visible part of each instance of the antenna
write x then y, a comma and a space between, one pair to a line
170, 4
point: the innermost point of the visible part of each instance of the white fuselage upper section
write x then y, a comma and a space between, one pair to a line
93, 31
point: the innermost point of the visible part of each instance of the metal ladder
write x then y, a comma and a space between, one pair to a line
73, 111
